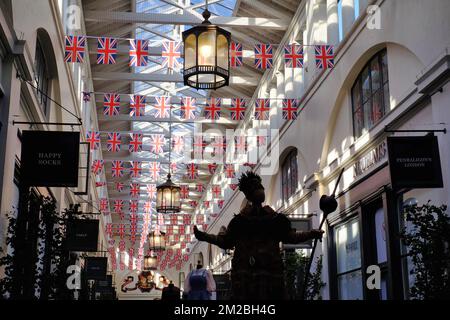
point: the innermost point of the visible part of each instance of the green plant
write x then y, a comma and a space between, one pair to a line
295, 269
427, 238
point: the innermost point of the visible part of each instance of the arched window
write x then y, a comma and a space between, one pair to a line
289, 175
370, 94
42, 76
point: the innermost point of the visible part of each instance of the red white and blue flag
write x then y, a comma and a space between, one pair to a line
263, 56
178, 143
240, 144
106, 50
113, 142
151, 190
199, 187
212, 168
148, 208
117, 169
290, 108
293, 56
237, 109
136, 169
157, 142
219, 145
119, 186
171, 54
135, 189
97, 167
133, 206
138, 53
155, 169
199, 145
216, 190
137, 106
74, 49
212, 109
235, 54
118, 206
324, 56
262, 109
93, 138
104, 204
229, 171
162, 107
111, 104
192, 171
188, 108
135, 144
184, 191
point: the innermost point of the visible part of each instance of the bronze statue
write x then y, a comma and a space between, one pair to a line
255, 235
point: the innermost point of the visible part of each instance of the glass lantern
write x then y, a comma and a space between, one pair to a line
206, 56
150, 262
157, 240
168, 197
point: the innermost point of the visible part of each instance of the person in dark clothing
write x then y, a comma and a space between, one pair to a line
255, 235
199, 284
170, 293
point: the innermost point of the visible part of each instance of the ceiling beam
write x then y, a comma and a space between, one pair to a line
124, 117
184, 19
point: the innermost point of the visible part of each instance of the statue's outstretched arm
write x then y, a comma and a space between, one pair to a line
295, 237
222, 239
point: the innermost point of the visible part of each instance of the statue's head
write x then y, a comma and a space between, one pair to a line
250, 185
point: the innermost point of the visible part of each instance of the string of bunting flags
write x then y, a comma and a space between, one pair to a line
107, 51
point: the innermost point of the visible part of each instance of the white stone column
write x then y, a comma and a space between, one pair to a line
348, 15
363, 6
332, 22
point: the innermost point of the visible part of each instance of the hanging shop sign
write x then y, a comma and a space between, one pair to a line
370, 160
96, 268
415, 162
50, 158
82, 235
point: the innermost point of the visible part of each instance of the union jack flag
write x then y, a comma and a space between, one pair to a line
219, 145
293, 56
263, 56
113, 142
220, 203
106, 50
199, 187
135, 189
171, 54
133, 207
178, 144
261, 141
229, 171
93, 137
184, 191
74, 49
212, 109
262, 109
187, 219
212, 168
216, 190
137, 106
200, 218
188, 108
100, 184
240, 143
173, 167
206, 204
117, 168
97, 166
290, 107
104, 204
119, 186
111, 104
233, 186
138, 53
148, 208
136, 169
135, 144
157, 142
151, 190
121, 230
108, 229
193, 203
118, 206
237, 109
192, 171
155, 169
235, 54
199, 145
162, 107
324, 56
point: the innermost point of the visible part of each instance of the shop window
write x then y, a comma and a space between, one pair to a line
42, 77
370, 94
348, 255
289, 175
